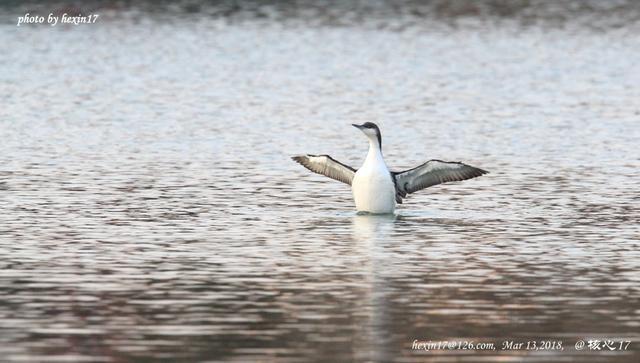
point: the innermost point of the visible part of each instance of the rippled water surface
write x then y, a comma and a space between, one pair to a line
150, 211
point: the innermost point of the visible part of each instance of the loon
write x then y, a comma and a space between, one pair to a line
375, 189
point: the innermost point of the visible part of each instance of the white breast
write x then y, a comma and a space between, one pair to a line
373, 188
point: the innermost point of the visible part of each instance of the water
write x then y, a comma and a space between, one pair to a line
150, 211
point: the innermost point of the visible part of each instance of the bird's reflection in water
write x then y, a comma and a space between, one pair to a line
373, 227
371, 233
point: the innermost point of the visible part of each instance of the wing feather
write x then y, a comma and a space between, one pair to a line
433, 172
327, 166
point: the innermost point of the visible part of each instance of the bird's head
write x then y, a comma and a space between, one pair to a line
372, 131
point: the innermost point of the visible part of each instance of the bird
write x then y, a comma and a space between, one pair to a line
376, 189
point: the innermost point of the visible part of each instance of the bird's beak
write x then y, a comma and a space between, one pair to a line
357, 126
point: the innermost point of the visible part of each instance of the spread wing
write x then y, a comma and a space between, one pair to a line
431, 173
327, 166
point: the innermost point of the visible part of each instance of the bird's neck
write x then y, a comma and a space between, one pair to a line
375, 153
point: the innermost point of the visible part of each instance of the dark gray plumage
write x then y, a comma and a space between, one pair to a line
431, 173
327, 166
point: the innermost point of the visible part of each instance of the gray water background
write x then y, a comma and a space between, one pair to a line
150, 211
